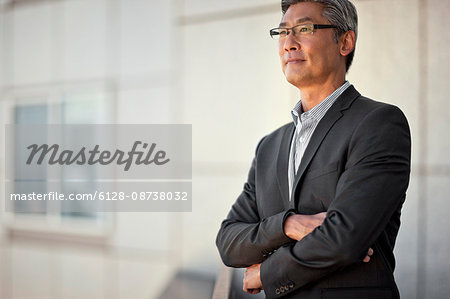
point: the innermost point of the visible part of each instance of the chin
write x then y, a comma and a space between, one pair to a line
294, 79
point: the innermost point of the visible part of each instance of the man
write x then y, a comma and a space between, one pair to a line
319, 214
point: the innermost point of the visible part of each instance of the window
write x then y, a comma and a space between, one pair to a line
74, 105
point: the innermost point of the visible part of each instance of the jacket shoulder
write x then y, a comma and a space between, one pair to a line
352, 100
365, 103
365, 108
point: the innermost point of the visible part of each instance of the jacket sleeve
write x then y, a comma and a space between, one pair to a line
369, 191
244, 238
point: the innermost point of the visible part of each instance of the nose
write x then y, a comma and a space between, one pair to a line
291, 43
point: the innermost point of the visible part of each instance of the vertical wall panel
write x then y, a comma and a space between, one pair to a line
5, 271
3, 50
437, 104
438, 83
233, 88
146, 231
31, 272
145, 105
437, 238
146, 34
84, 39
200, 7
32, 44
139, 278
82, 274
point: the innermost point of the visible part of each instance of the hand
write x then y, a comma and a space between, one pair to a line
252, 279
298, 226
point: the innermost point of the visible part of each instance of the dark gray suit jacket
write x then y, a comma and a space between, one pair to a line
356, 167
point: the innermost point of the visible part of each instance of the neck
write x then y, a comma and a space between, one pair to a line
314, 94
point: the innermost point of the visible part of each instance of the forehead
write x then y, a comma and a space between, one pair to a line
303, 12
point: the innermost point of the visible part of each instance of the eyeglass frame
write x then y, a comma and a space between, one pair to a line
315, 26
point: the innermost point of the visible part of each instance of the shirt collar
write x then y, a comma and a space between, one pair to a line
320, 109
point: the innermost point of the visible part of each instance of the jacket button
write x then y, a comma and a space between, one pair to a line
282, 289
277, 291
291, 285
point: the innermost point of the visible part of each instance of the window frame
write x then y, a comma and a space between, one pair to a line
54, 225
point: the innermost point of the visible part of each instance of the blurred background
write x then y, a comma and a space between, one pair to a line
211, 64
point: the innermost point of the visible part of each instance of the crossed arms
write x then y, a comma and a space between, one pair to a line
296, 227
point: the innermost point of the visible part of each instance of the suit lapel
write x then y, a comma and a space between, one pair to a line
326, 123
283, 161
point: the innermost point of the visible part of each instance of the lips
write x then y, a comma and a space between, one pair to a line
294, 60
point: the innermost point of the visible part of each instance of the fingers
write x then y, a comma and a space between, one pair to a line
250, 291
369, 254
244, 284
253, 291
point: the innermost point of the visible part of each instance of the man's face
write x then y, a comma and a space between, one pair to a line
309, 59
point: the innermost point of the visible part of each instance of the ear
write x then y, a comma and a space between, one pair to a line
347, 42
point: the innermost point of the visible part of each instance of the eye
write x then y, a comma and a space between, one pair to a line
303, 29
282, 32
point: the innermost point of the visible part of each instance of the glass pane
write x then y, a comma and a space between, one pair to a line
81, 108
32, 114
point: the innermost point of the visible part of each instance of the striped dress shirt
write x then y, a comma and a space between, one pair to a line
305, 124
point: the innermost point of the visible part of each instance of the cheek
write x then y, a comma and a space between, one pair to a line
331, 58
320, 54
331, 49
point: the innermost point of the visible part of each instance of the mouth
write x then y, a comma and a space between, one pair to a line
294, 61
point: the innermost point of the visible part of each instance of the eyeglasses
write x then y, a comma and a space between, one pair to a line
302, 29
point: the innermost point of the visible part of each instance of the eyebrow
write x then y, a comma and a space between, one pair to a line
301, 20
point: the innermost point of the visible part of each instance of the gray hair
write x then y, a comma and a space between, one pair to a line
341, 13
